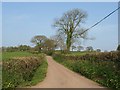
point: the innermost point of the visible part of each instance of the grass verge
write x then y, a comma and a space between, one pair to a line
39, 75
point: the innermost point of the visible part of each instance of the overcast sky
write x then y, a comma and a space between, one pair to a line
22, 21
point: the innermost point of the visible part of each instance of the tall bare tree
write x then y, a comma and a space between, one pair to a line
69, 25
59, 40
80, 48
50, 44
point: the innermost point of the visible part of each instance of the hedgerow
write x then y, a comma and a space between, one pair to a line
103, 68
20, 70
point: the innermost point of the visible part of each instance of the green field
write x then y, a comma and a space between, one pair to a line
8, 55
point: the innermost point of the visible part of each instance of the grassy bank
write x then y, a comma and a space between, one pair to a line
23, 69
40, 74
105, 71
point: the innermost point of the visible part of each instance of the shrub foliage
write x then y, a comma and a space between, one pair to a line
19, 70
103, 68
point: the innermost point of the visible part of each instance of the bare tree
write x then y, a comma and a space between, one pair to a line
89, 48
69, 26
80, 48
73, 47
49, 45
98, 50
39, 41
59, 40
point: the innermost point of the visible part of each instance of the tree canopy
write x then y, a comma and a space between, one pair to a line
43, 43
69, 26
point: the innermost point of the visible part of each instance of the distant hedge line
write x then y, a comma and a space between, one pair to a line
103, 68
19, 70
109, 56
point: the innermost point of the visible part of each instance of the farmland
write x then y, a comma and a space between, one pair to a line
82, 51
7, 55
22, 69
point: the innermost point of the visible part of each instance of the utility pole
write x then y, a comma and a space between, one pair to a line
119, 24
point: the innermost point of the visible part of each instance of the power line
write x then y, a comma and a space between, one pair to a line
100, 21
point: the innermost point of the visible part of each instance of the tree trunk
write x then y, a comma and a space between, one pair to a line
39, 49
68, 41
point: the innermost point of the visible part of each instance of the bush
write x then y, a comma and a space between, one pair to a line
19, 70
50, 52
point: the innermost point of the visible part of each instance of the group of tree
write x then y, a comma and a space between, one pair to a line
16, 48
43, 44
81, 48
69, 31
